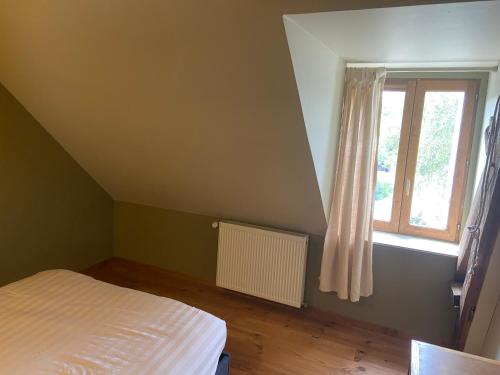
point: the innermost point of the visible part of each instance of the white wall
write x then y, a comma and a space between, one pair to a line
484, 338
319, 73
491, 347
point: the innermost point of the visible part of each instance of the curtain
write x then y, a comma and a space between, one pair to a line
346, 266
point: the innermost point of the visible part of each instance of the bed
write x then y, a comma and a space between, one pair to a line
62, 322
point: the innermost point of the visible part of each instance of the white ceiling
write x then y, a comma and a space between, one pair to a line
425, 33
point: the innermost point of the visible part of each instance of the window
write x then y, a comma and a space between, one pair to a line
425, 138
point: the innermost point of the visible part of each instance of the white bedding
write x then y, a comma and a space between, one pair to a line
62, 322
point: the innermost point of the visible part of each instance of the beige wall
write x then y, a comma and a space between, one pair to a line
188, 105
52, 214
411, 288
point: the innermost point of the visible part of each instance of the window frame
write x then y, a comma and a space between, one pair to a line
415, 89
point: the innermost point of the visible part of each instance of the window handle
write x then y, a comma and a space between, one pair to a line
407, 187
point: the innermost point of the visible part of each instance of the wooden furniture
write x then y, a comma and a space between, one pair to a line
477, 245
428, 359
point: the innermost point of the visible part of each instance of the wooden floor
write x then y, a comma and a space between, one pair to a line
268, 338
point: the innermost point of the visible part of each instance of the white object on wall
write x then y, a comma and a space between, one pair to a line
262, 262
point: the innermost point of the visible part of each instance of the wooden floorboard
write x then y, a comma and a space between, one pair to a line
268, 338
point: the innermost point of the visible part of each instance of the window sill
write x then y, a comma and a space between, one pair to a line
444, 248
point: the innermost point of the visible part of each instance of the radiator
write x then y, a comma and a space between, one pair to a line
262, 262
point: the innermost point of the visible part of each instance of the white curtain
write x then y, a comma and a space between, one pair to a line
346, 267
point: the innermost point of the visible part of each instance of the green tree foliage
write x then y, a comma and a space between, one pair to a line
389, 145
436, 138
383, 190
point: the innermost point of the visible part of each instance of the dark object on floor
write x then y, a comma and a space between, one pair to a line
223, 366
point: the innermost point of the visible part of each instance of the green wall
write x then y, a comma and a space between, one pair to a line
174, 240
52, 213
411, 291
411, 288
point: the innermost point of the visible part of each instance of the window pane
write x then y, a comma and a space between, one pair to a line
388, 147
437, 151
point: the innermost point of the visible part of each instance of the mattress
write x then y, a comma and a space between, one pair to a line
62, 322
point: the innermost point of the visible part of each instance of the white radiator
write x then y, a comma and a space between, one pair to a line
262, 262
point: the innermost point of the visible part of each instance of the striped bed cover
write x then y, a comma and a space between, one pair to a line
62, 322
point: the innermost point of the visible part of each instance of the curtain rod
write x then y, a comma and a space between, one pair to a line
478, 66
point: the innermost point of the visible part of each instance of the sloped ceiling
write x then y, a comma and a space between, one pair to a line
188, 105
